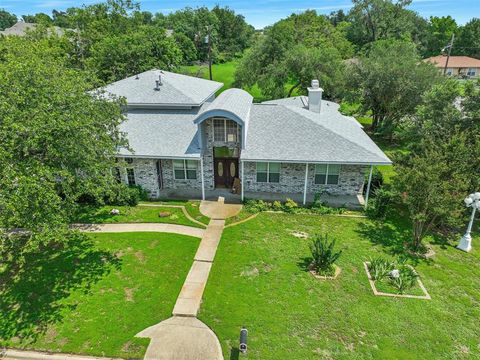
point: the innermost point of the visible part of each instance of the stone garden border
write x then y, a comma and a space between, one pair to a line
379, 293
338, 270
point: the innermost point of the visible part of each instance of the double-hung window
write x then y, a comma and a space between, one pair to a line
131, 177
472, 72
225, 130
185, 169
268, 172
449, 71
327, 174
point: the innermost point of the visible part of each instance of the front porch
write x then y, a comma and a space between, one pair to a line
348, 201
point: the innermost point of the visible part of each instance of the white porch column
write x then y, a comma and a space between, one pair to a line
368, 187
306, 184
241, 181
203, 182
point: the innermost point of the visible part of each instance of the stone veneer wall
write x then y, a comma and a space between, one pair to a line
146, 176
208, 160
292, 180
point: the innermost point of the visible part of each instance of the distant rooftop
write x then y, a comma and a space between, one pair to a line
175, 90
454, 61
21, 28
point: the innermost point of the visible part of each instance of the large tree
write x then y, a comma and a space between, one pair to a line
58, 143
6, 19
468, 42
373, 20
390, 80
438, 35
118, 56
293, 52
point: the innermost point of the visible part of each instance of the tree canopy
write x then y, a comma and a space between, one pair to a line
390, 81
293, 52
58, 140
6, 19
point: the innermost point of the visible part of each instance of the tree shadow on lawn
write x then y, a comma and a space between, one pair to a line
35, 284
91, 214
392, 235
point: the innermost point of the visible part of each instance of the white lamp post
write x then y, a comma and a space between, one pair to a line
473, 201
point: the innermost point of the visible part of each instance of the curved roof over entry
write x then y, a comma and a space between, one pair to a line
232, 103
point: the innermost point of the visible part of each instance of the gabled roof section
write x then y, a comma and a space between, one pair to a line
176, 90
232, 103
293, 133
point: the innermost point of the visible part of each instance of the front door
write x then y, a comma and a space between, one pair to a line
226, 169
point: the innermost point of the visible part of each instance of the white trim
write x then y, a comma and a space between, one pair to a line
241, 162
305, 186
203, 182
368, 187
319, 162
156, 157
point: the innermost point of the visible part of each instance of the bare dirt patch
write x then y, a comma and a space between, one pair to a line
129, 294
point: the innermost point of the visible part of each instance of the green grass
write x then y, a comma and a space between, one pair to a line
192, 207
259, 280
135, 214
224, 73
93, 299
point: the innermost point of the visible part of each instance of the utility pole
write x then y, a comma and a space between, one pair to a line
449, 46
209, 42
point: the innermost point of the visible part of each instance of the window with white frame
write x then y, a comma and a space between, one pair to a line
449, 71
185, 169
131, 177
268, 172
225, 130
472, 72
327, 174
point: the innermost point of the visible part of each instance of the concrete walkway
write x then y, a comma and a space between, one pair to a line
141, 227
183, 336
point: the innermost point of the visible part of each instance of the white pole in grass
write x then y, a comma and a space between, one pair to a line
305, 186
241, 184
368, 187
473, 201
203, 181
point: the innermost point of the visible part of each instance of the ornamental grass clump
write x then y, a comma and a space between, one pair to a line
379, 268
323, 255
400, 277
404, 279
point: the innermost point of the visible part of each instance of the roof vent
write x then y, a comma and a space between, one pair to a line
158, 82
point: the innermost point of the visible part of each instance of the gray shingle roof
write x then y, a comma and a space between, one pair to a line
176, 89
292, 133
234, 102
165, 133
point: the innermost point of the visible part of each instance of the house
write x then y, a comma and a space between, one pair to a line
186, 142
21, 28
459, 66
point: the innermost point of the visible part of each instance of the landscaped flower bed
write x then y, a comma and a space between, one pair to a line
389, 279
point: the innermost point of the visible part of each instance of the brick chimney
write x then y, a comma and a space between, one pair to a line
315, 97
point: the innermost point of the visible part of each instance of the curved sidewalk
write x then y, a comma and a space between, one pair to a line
141, 227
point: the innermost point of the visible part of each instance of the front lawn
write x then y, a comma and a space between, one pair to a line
94, 297
192, 207
132, 214
259, 280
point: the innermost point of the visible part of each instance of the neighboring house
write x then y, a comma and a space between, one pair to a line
21, 28
459, 66
184, 142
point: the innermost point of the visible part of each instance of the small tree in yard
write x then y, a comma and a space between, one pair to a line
323, 255
432, 186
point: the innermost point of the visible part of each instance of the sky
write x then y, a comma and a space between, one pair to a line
259, 13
